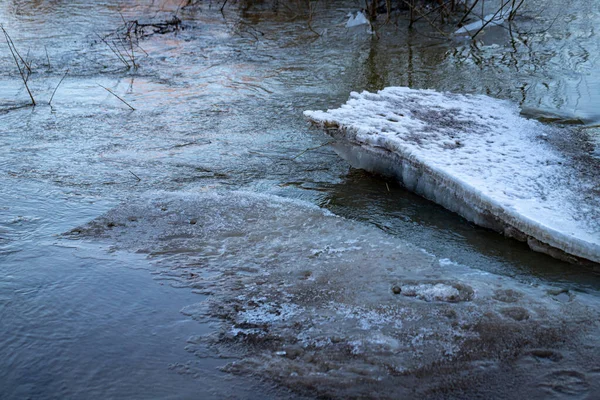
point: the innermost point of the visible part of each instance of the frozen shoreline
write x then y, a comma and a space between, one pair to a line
475, 156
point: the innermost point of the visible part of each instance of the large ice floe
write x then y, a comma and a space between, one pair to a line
478, 157
339, 309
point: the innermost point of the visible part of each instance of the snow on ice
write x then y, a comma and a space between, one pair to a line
476, 156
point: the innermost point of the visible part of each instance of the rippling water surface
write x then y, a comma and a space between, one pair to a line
218, 105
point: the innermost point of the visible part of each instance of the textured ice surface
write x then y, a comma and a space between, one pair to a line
476, 156
337, 308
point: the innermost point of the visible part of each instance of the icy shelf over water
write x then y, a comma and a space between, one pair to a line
478, 157
339, 309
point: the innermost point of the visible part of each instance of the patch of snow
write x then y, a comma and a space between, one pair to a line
268, 313
369, 319
437, 292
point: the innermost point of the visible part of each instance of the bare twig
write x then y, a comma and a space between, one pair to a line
388, 8
47, 57
140, 47
130, 39
468, 13
310, 17
514, 9
223, 6
56, 88
431, 11
115, 51
411, 4
13, 50
491, 19
136, 177
114, 94
27, 64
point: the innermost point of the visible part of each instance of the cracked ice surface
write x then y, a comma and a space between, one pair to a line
337, 308
477, 156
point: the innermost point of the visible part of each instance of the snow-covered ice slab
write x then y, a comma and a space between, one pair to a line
478, 157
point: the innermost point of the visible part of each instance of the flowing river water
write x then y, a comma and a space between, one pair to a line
218, 107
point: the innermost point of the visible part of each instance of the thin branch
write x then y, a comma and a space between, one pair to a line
116, 52
56, 88
113, 93
411, 5
128, 36
144, 51
136, 177
8, 39
491, 19
223, 6
120, 54
28, 65
47, 57
468, 12
388, 8
13, 50
310, 18
514, 10
431, 11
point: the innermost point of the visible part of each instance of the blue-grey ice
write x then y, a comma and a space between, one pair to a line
339, 309
476, 156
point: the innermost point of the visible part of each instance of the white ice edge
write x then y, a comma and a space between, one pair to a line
357, 19
474, 155
495, 19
